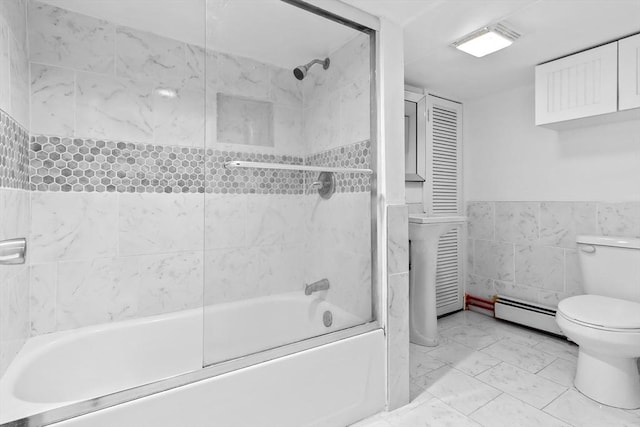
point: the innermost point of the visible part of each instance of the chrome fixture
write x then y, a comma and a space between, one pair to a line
301, 71
327, 318
326, 185
13, 251
234, 164
320, 285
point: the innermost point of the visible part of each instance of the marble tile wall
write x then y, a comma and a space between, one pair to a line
528, 250
398, 306
337, 101
14, 177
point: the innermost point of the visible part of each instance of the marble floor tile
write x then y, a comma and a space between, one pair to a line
431, 413
559, 347
531, 389
507, 411
377, 420
458, 390
423, 363
580, 411
470, 336
465, 359
520, 355
560, 371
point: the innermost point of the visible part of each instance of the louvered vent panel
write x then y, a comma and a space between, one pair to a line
448, 292
444, 179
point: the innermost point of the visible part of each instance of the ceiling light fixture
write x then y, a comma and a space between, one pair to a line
486, 40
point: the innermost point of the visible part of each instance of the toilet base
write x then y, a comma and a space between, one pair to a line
613, 381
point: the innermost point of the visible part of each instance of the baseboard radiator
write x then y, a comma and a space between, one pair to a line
527, 313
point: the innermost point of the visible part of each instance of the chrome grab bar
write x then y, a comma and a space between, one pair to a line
320, 285
13, 251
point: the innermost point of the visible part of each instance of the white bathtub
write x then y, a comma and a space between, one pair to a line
345, 378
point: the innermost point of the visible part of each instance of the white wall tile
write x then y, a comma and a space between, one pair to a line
355, 112
61, 37
287, 130
285, 89
14, 315
242, 77
144, 56
561, 222
67, 226
96, 291
113, 108
226, 273
494, 260
52, 100
43, 285
170, 282
398, 340
157, 223
179, 120
19, 81
481, 220
573, 273
516, 222
225, 221
540, 267
619, 219
5, 67
480, 286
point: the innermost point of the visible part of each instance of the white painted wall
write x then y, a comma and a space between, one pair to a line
508, 158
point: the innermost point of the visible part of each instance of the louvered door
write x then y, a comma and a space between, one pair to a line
444, 196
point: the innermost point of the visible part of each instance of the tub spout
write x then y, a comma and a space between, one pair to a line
320, 285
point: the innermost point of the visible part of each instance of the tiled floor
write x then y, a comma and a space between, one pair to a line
490, 373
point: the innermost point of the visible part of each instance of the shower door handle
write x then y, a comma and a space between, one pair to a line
13, 251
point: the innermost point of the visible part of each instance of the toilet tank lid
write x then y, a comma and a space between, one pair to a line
621, 242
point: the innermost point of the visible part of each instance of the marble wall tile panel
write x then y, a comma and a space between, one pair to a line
239, 76
494, 260
321, 124
480, 286
144, 56
14, 154
159, 223
52, 100
572, 274
561, 222
14, 315
398, 340
275, 269
19, 60
287, 130
481, 220
244, 121
619, 219
113, 108
180, 119
355, 112
43, 284
14, 215
170, 282
516, 291
14, 14
61, 37
285, 89
99, 290
397, 239
516, 222
226, 275
5, 66
540, 267
274, 221
226, 221
73, 226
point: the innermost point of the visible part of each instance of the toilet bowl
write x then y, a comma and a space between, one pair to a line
607, 331
605, 322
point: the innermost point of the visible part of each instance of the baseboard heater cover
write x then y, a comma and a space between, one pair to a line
527, 313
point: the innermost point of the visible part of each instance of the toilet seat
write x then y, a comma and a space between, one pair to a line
600, 312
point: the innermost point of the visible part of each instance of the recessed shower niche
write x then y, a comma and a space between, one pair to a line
244, 120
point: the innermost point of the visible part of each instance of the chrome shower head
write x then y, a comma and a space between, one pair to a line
301, 71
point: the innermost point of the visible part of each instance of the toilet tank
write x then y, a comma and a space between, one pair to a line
610, 266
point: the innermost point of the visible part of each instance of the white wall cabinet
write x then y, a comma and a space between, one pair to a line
629, 72
581, 85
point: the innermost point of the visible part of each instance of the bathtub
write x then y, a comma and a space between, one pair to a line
157, 361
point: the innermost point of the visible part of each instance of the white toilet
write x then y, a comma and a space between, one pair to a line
605, 323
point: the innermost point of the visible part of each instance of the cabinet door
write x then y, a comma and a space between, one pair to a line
581, 85
629, 72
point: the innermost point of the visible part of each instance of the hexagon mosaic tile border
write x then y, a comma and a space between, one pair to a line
14, 154
356, 155
87, 165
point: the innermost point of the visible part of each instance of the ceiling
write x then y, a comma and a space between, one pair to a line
549, 28
269, 31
